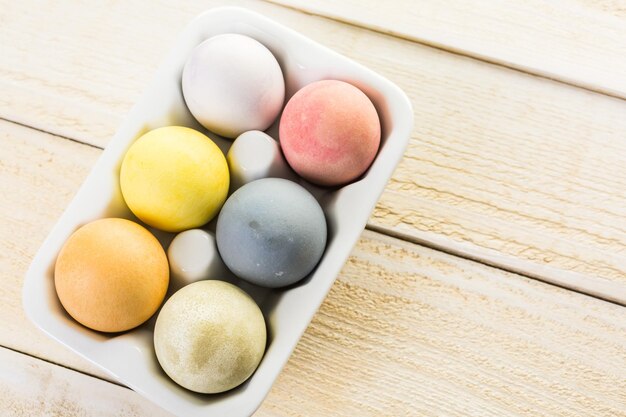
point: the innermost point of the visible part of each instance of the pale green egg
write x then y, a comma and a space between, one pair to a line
210, 336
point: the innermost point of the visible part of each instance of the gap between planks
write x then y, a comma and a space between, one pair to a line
34, 386
38, 129
550, 276
547, 275
446, 48
69, 368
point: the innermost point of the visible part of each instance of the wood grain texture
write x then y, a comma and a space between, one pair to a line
615, 8
505, 168
405, 330
517, 171
526, 172
39, 173
581, 42
409, 331
30, 387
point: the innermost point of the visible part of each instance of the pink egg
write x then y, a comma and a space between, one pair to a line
329, 132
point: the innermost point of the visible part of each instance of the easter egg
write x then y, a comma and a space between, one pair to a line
174, 178
232, 83
271, 232
193, 257
329, 132
210, 336
255, 155
111, 275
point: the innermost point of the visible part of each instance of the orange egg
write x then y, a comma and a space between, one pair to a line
111, 275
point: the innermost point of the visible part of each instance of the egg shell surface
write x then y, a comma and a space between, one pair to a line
210, 336
193, 256
330, 132
255, 155
111, 275
174, 178
232, 83
271, 232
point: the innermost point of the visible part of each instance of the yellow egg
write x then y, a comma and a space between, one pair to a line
174, 178
111, 275
210, 336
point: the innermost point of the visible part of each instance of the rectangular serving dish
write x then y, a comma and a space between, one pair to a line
129, 357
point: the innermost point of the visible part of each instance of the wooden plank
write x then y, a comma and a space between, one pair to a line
405, 330
578, 42
409, 331
57, 83
31, 387
38, 176
519, 172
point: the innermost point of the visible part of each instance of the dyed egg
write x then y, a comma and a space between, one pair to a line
193, 257
174, 178
329, 132
111, 275
210, 336
271, 232
255, 155
232, 84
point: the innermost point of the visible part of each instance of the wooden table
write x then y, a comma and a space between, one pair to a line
491, 278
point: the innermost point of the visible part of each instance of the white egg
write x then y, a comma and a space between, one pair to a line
193, 257
232, 84
255, 155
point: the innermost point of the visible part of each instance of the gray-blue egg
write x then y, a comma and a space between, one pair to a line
271, 232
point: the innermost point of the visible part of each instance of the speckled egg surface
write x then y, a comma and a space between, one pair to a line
111, 275
174, 178
255, 155
232, 83
193, 256
271, 232
330, 132
210, 336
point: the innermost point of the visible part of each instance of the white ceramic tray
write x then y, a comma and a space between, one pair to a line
129, 357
